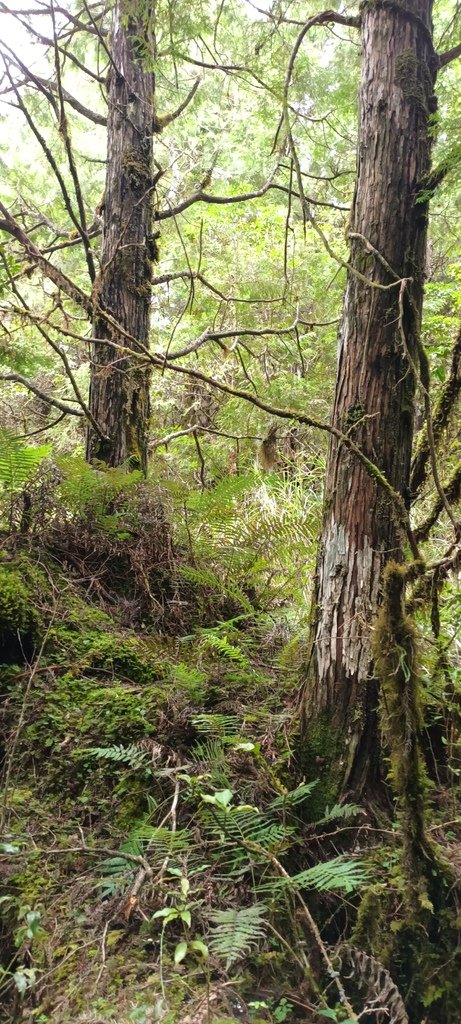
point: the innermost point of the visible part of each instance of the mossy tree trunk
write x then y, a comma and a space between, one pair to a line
119, 387
374, 389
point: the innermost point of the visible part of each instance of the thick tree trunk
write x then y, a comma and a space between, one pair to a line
375, 386
119, 388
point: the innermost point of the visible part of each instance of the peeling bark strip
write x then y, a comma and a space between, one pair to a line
375, 381
119, 388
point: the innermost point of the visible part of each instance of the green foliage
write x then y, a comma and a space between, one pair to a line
340, 873
237, 931
130, 755
154, 730
18, 462
18, 614
89, 491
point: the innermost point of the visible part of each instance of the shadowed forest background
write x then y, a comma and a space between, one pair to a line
230, 367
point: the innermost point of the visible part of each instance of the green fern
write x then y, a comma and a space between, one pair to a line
339, 811
130, 755
161, 841
296, 796
221, 643
18, 462
237, 932
333, 875
220, 726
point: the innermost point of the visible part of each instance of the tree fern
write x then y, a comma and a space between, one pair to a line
237, 932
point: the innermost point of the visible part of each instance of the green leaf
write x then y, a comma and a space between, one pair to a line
180, 952
185, 916
237, 931
168, 913
198, 946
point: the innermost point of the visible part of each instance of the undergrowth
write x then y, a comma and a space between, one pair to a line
164, 858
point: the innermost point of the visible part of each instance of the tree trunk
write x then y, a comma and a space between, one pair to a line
119, 387
374, 389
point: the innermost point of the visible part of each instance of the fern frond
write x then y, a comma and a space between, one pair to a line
333, 875
245, 825
130, 755
224, 647
161, 841
339, 811
17, 461
296, 796
237, 932
218, 725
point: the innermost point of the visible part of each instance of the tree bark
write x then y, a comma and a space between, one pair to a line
378, 351
119, 386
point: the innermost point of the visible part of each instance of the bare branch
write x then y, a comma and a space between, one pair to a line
49, 42
326, 16
178, 275
16, 378
81, 227
91, 115
11, 226
64, 131
446, 58
452, 491
443, 408
62, 355
310, 199
204, 197
197, 427
162, 122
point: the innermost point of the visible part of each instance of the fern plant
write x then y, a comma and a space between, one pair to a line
339, 873
131, 755
237, 932
18, 462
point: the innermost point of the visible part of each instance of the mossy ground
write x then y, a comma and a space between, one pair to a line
120, 714
90, 684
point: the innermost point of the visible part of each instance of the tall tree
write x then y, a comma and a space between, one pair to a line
119, 388
365, 523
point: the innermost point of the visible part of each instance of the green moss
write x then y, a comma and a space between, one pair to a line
136, 170
322, 757
353, 416
414, 78
17, 604
370, 930
395, 652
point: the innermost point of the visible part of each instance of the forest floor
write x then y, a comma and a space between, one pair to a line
165, 853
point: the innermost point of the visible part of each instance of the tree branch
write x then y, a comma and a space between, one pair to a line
81, 228
443, 409
178, 275
204, 197
64, 131
11, 226
452, 491
16, 378
91, 115
161, 122
446, 58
